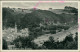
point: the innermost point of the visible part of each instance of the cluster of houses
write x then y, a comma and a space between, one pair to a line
21, 10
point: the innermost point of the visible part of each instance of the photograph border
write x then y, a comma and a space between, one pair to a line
37, 50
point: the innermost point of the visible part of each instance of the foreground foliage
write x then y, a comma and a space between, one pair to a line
68, 43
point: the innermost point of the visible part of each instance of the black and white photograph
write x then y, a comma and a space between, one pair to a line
39, 25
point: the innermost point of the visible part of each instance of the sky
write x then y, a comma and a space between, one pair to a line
39, 5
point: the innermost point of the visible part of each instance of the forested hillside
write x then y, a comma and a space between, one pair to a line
35, 17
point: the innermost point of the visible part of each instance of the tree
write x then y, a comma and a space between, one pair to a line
50, 44
5, 46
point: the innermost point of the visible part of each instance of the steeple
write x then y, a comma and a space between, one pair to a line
15, 28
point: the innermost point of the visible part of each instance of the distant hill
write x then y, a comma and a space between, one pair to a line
10, 17
66, 10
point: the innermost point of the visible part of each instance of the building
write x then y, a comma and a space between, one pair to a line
50, 9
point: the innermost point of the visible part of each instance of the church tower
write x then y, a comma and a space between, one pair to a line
15, 27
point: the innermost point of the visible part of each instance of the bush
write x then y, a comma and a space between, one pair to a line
53, 31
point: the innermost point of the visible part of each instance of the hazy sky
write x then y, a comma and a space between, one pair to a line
42, 5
